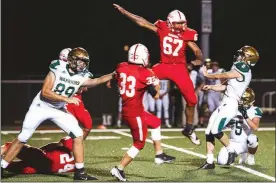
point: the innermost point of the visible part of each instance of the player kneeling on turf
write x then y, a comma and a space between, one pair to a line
241, 138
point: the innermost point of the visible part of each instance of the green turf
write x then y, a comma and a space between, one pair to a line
102, 155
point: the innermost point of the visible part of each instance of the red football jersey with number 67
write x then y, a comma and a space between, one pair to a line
173, 44
132, 81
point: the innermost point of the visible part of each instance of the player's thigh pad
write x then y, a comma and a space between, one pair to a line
151, 120
68, 123
34, 117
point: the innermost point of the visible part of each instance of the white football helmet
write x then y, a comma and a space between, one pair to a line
138, 54
64, 54
176, 16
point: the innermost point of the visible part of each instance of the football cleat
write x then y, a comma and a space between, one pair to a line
207, 166
80, 174
119, 174
191, 135
163, 158
231, 158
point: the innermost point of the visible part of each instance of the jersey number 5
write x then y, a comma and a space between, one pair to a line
167, 45
130, 91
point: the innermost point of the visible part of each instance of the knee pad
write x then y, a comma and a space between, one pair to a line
139, 144
156, 134
222, 156
210, 138
219, 135
25, 135
252, 141
133, 151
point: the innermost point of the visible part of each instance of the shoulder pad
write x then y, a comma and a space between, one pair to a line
241, 67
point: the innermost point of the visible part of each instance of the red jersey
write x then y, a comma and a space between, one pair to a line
173, 44
132, 82
62, 158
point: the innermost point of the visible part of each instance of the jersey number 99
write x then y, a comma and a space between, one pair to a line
60, 88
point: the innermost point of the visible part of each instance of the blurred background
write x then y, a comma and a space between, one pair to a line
34, 32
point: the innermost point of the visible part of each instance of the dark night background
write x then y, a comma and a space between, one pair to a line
34, 32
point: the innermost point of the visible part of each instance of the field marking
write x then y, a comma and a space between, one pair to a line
249, 170
102, 137
43, 138
5, 132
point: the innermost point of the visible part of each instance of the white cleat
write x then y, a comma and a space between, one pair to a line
243, 158
119, 174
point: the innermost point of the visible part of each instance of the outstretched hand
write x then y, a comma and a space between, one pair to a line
206, 87
122, 10
73, 100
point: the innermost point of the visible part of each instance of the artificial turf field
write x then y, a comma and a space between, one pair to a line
105, 148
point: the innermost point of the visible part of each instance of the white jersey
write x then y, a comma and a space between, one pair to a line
163, 86
66, 84
240, 131
236, 86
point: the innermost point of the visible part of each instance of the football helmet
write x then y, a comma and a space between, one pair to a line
138, 54
176, 16
78, 60
64, 54
247, 54
248, 98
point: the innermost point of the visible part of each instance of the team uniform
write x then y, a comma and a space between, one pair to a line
173, 59
133, 80
229, 105
214, 97
193, 75
41, 109
80, 112
164, 101
241, 136
34, 160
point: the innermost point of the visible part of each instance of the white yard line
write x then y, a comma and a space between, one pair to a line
249, 170
4, 132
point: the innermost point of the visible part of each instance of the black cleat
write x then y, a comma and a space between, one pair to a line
163, 158
231, 158
207, 166
2, 172
80, 174
119, 174
191, 135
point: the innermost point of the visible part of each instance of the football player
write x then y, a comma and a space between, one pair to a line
164, 101
239, 78
242, 138
133, 80
175, 37
54, 157
59, 87
78, 111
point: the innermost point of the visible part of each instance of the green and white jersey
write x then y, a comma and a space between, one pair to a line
236, 86
66, 84
240, 131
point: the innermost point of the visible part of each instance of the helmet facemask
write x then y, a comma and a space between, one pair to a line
78, 64
247, 99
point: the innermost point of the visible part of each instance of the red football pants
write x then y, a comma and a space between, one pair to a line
81, 114
139, 127
179, 74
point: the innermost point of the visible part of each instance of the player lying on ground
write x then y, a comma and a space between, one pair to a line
56, 157
238, 79
61, 83
175, 37
133, 80
245, 143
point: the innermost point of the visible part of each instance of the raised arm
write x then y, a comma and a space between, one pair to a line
97, 81
137, 19
197, 51
225, 75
